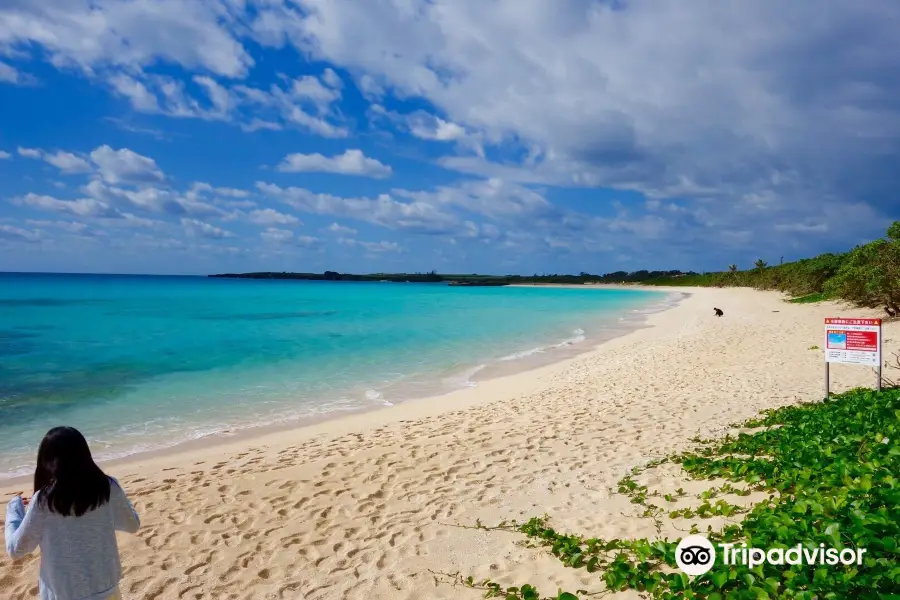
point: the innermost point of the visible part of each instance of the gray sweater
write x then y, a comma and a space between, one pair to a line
79, 555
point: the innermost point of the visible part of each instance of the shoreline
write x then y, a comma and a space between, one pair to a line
367, 506
306, 427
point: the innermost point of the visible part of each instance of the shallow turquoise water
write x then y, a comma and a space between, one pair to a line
144, 362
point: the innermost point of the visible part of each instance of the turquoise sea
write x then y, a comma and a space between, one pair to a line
143, 362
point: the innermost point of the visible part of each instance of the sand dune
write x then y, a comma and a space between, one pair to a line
365, 507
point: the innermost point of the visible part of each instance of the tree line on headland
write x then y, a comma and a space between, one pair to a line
473, 279
868, 275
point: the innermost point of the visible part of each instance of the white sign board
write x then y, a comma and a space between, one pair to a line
853, 341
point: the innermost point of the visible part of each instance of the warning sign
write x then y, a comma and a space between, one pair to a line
853, 341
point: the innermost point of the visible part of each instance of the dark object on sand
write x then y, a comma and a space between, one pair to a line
719, 312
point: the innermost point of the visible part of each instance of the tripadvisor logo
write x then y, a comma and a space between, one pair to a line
695, 555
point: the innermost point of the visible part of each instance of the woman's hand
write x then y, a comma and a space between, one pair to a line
25, 500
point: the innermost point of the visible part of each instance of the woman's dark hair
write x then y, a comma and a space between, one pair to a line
67, 477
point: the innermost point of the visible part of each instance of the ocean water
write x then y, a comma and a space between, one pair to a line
140, 363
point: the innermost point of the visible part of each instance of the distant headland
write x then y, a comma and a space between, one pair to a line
473, 279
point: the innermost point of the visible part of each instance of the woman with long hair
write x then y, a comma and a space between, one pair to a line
73, 516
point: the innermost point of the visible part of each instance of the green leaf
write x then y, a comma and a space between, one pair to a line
718, 578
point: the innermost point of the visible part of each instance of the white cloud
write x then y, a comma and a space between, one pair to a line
731, 116
131, 35
372, 246
68, 163
307, 241
218, 95
17, 234
309, 88
436, 129
340, 229
613, 94
332, 79
274, 235
125, 166
256, 124
153, 199
68, 226
199, 187
317, 125
83, 207
304, 102
371, 89
5, 155
197, 228
277, 236
141, 98
8, 74
427, 126
270, 216
415, 216
351, 162
231, 192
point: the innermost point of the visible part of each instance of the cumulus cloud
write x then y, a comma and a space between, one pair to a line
382, 246
231, 192
8, 74
413, 216
224, 196
5, 155
196, 228
82, 207
125, 166
153, 199
273, 235
331, 79
218, 95
17, 234
311, 88
131, 35
142, 99
426, 126
742, 123
306, 102
68, 226
429, 127
351, 162
68, 163
270, 216
277, 236
339, 229
736, 98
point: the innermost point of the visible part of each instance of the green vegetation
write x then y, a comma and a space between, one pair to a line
868, 275
830, 471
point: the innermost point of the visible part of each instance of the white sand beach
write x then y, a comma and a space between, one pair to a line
364, 507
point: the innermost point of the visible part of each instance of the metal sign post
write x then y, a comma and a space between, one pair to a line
852, 342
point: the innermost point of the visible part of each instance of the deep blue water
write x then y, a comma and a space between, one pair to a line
140, 362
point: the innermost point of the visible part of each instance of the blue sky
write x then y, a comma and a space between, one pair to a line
164, 136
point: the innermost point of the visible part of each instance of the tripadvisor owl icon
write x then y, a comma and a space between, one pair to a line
695, 555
